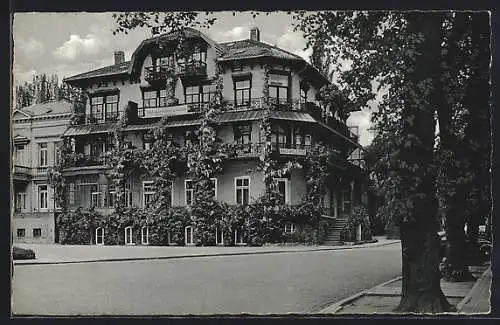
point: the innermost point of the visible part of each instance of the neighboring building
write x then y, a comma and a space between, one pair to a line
37, 132
298, 120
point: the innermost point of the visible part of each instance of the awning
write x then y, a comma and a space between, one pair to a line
77, 130
228, 117
291, 116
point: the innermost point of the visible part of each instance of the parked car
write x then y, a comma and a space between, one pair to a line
22, 254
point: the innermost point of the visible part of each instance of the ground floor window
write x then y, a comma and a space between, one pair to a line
290, 228
242, 190
37, 232
188, 235
128, 236
21, 232
238, 236
346, 201
219, 236
282, 189
145, 235
99, 236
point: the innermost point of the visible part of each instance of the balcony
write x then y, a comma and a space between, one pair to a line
184, 109
158, 74
42, 170
260, 103
289, 149
195, 68
249, 150
22, 172
108, 118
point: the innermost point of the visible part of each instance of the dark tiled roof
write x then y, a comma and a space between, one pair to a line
249, 49
49, 108
114, 69
90, 129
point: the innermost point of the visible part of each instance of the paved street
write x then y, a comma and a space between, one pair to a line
267, 283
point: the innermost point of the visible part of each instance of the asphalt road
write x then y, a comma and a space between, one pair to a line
256, 284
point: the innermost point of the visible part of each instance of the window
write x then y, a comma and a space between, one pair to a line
198, 55
242, 189
242, 92
20, 204
111, 196
303, 95
21, 232
165, 61
282, 184
154, 98
214, 187
71, 194
346, 201
302, 140
128, 236
20, 155
188, 235
145, 235
243, 137
279, 137
278, 87
128, 194
238, 236
148, 192
104, 108
219, 236
189, 191
95, 196
37, 232
42, 154
199, 94
99, 236
42, 196
290, 228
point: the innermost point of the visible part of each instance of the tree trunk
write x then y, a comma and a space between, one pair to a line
421, 290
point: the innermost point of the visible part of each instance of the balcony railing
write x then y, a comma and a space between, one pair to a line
249, 150
22, 170
291, 149
158, 73
42, 170
171, 110
108, 118
192, 68
262, 103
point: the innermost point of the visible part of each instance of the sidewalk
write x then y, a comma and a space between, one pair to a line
469, 297
56, 254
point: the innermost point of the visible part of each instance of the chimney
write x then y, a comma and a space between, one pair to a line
255, 34
119, 57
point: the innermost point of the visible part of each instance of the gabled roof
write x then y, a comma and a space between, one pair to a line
248, 48
110, 70
49, 108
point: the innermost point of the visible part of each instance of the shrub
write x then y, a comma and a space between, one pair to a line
74, 228
358, 217
22, 254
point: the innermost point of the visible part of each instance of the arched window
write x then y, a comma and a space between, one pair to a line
99, 236
188, 235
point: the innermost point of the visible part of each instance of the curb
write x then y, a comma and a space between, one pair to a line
460, 306
199, 255
334, 308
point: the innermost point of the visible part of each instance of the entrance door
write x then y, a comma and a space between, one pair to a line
99, 236
128, 236
188, 235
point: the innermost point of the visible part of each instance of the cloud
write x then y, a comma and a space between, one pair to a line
235, 33
291, 40
361, 119
28, 47
76, 47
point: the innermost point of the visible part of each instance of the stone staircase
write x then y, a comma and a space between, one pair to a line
333, 231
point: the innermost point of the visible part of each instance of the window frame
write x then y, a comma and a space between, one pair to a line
285, 180
43, 154
128, 194
98, 194
46, 197
37, 235
142, 235
292, 226
241, 132
344, 201
237, 90
145, 193
105, 115
129, 240
201, 94
19, 152
191, 237
20, 203
102, 235
238, 231
280, 88
20, 231
242, 188
191, 190
158, 102
219, 240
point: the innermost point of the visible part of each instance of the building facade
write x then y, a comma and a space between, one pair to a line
37, 132
159, 82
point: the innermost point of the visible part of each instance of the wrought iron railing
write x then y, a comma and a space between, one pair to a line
263, 103
108, 118
168, 110
157, 73
192, 68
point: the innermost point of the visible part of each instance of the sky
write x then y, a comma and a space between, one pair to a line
71, 43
